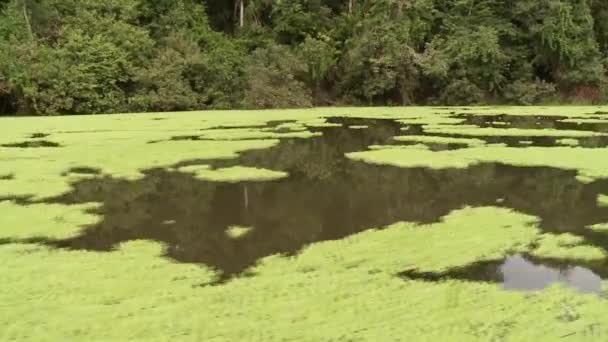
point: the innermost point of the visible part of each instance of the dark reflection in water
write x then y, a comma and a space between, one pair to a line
8, 176
82, 170
536, 122
325, 197
32, 144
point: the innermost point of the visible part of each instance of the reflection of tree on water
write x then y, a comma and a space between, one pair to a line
537, 122
326, 197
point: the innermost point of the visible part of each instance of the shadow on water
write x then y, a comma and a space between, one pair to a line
82, 170
32, 144
326, 197
8, 176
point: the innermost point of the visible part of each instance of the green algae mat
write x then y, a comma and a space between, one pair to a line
328, 224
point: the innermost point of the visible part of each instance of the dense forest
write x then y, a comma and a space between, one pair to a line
106, 56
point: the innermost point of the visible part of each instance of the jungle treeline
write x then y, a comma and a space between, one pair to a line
111, 56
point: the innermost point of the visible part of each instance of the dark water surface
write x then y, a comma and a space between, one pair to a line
329, 197
32, 144
537, 122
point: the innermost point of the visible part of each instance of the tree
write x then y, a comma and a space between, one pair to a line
321, 56
380, 59
86, 56
276, 79
562, 37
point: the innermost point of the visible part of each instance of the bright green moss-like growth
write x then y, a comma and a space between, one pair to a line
590, 163
476, 131
440, 140
236, 174
603, 200
350, 286
568, 142
350, 277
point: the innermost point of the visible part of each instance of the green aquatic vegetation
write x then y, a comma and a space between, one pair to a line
602, 200
386, 147
57, 294
237, 232
585, 179
586, 120
430, 127
440, 140
235, 174
510, 132
591, 164
568, 142
119, 137
194, 168
318, 123
411, 156
566, 246
600, 227
432, 120
292, 126
39, 172
351, 277
247, 133
44, 220
457, 225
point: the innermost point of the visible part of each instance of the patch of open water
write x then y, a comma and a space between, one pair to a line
328, 197
535, 122
39, 135
521, 273
8, 176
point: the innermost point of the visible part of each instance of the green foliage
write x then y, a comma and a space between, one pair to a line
276, 78
183, 76
293, 20
562, 37
462, 91
527, 93
81, 68
162, 85
320, 55
80, 75
68, 56
378, 64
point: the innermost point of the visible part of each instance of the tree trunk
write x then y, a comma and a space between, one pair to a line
241, 13
350, 7
27, 21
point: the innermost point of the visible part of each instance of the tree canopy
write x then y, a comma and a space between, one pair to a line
92, 56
